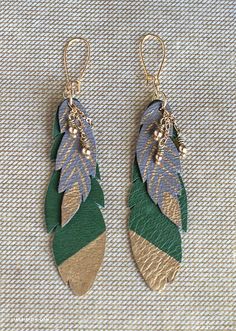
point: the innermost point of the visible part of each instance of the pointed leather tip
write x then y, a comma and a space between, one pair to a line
171, 208
156, 267
80, 270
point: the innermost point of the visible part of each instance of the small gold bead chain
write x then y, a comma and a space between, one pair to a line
76, 126
162, 132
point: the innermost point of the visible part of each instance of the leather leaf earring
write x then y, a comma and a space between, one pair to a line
158, 198
74, 194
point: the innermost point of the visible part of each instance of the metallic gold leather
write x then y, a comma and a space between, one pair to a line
156, 267
70, 204
171, 208
80, 270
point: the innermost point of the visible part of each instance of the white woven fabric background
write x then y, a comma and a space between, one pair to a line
199, 80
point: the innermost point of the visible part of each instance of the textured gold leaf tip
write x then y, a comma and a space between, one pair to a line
80, 270
70, 204
156, 267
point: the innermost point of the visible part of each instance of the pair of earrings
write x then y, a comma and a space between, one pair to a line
157, 199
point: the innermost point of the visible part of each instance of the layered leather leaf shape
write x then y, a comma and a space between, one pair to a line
162, 179
158, 204
79, 245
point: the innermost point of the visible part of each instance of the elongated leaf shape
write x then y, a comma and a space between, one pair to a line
163, 183
79, 245
158, 205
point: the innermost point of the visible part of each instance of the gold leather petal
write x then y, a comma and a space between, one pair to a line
156, 267
171, 208
80, 270
70, 204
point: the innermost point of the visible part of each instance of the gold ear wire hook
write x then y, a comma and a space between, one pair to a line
73, 87
154, 78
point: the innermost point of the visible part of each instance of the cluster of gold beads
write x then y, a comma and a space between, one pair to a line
85, 149
161, 133
158, 137
76, 127
73, 127
73, 131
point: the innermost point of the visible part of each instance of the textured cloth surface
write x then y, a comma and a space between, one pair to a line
199, 79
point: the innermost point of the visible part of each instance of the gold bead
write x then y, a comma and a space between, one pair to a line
86, 152
155, 133
160, 134
73, 130
184, 151
158, 158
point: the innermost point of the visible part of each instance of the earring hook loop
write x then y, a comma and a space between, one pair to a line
154, 78
73, 86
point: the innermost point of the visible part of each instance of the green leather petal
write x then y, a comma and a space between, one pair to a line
148, 221
84, 227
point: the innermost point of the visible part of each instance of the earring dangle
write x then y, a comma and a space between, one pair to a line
74, 194
158, 200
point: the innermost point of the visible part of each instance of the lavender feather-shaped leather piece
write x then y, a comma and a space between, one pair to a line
163, 184
76, 169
